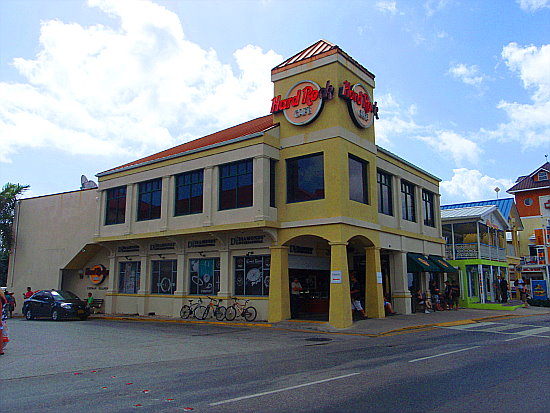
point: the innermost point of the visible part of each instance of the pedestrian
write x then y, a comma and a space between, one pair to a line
523, 294
455, 295
496, 289
4, 317
447, 293
388, 307
28, 294
355, 292
11, 302
295, 290
504, 290
89, 301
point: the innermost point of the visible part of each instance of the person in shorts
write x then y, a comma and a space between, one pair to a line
355, 292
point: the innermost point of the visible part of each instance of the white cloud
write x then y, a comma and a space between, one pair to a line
387, 6
472, 185
461, 149
533, 5
470, 75
434, 6
135, 87
528, 123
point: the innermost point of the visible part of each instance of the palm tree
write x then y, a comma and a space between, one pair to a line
8, 199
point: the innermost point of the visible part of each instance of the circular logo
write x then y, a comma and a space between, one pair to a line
360, 105
97, 274
303, 103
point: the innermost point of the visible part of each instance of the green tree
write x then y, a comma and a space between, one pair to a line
8, 199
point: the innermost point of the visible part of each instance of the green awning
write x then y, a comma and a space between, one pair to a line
420, 263
442, 263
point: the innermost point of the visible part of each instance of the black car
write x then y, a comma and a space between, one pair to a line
55, 304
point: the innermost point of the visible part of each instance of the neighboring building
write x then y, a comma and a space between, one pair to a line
482, 241
303, 192
532, 194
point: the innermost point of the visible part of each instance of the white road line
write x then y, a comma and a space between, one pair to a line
443, 354
475, 325
281, 390
516, 338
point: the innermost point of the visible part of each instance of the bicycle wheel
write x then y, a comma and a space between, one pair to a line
185, 311
250, 313
201, 312
230, 313
219, 312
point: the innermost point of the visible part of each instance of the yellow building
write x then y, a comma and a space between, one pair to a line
303, 192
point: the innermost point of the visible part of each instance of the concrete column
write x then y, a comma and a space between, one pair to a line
131, 206
401, 296
144, 286
110, 301
165, 207
279, 285
396, 200
261, 187
226, 278
181, 284
210, 198
340, 301
374, 291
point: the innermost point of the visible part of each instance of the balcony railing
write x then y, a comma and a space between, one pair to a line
532, 260
472, 252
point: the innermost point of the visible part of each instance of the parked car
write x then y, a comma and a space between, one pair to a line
55, 304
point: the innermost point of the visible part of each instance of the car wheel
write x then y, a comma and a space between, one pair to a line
55, 315
29, 315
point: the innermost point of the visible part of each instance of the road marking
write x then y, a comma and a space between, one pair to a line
443, 354
528, 330
281, 390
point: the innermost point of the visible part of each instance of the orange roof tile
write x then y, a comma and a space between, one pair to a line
244, 129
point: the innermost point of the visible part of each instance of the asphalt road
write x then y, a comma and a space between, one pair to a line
117, 366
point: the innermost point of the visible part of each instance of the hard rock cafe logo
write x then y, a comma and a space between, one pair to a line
97, 273
303, 102
361, 108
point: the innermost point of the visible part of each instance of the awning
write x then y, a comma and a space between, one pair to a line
420, 263
441, 263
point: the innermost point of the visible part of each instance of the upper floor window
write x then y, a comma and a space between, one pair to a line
543, 176
407, 201
358, 179
115, 210
428, 201
305, 178
149, 199
189, 186
236, 184
272, 182
385, 205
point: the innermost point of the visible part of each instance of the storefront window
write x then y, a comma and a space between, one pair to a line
163, 276
204, 276
384, 193
472, 274
407, 201
252, 275
305, 178
189, 193
149, 199
358, 181
128, 277
115, 210
236, 184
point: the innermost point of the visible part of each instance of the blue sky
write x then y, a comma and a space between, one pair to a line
463, 87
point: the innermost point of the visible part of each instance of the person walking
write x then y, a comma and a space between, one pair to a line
4, 317
355, 292
455, 295
295, 290
504, 290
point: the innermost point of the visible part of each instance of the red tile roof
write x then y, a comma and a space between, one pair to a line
316, 51
244, 129
528, 182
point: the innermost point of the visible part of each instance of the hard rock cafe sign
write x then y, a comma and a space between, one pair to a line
304, 102
97, 273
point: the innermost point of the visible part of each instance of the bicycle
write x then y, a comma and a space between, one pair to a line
237, 309
187, 310
212, 308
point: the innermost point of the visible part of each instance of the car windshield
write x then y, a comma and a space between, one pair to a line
64, 296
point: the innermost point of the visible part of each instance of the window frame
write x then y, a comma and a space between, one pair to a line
244, 264
234, 172
157, 276
123, 285
195, 286
154, 212
189, 202
428, 202
408, 201
113, 194
293, 174
381, 198
364, 179
272, 182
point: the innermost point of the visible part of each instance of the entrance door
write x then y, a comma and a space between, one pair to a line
314, 298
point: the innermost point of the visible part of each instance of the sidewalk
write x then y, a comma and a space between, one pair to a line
370, 327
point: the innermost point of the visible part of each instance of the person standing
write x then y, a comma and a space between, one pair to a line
295, 290
3, 317
455, 295
11, 302
496, 289
504, 290
447, 293
29, 293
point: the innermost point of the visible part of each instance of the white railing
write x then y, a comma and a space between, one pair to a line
471, 252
